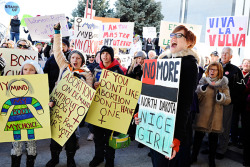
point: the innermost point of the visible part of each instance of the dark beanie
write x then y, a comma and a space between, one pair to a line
109, 50
79, 53
65, 41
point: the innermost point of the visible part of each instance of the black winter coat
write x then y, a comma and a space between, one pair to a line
188, 84
234, 75
15, 25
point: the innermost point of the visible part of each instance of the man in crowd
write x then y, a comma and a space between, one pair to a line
234, 75
214, 56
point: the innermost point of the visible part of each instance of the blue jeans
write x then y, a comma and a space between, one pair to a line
14, 35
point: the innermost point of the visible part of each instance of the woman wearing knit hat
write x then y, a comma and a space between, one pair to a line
101, 139
28, 67
75, 63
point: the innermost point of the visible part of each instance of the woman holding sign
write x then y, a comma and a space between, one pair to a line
75, 64
181, 44
213, 93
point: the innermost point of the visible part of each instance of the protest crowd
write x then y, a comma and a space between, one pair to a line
213, 95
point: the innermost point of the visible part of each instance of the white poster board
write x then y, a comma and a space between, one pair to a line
14, 59
117, 35
226, 31
42, 27
86, 35
149, 32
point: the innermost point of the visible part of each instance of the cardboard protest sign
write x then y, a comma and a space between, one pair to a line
73, 98
86, 35
41, 27
167, 28
23, 23
149, 32
117, 35
24, 108
158, 104
107, 19
14, 59
126, 59
114, 103
226, 31
12, 8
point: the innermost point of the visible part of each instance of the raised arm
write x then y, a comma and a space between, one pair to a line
57, 48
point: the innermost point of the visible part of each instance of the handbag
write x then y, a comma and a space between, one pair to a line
120, 141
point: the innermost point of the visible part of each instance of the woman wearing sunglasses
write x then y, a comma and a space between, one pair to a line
24, 44
181, 44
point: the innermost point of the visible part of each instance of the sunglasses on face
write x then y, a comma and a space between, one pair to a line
178, 35
24, 46
4, 46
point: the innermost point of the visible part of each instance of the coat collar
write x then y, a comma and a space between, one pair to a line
180, 54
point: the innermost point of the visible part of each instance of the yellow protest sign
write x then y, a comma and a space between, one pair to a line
73, 98
115, 101
24, 108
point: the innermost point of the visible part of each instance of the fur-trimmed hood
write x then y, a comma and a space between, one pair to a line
180, 54
219, 83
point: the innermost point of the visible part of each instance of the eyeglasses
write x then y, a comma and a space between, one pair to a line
178, 35
213, 69
92, 57
24, 46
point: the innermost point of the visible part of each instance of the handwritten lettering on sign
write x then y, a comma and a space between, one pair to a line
14, 59
24, 108
117, 35
41, 28
158, 104
87, 35
226, 31
115, 101
72, 97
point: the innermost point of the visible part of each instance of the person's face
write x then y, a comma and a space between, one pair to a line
106, 57
22, 45
149, 39
225, 56
207, 60
246, 65
214, 58
139, 60
91, 58
150, 55
76, 61
178, 44
135, 41
15, 17
65, 48
39, 47
28, 69
213, 71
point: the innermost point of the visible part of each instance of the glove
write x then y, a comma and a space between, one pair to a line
204, 87
218, 95
176, 144
57, 28
2, 63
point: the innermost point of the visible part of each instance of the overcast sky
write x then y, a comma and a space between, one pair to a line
42, 7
